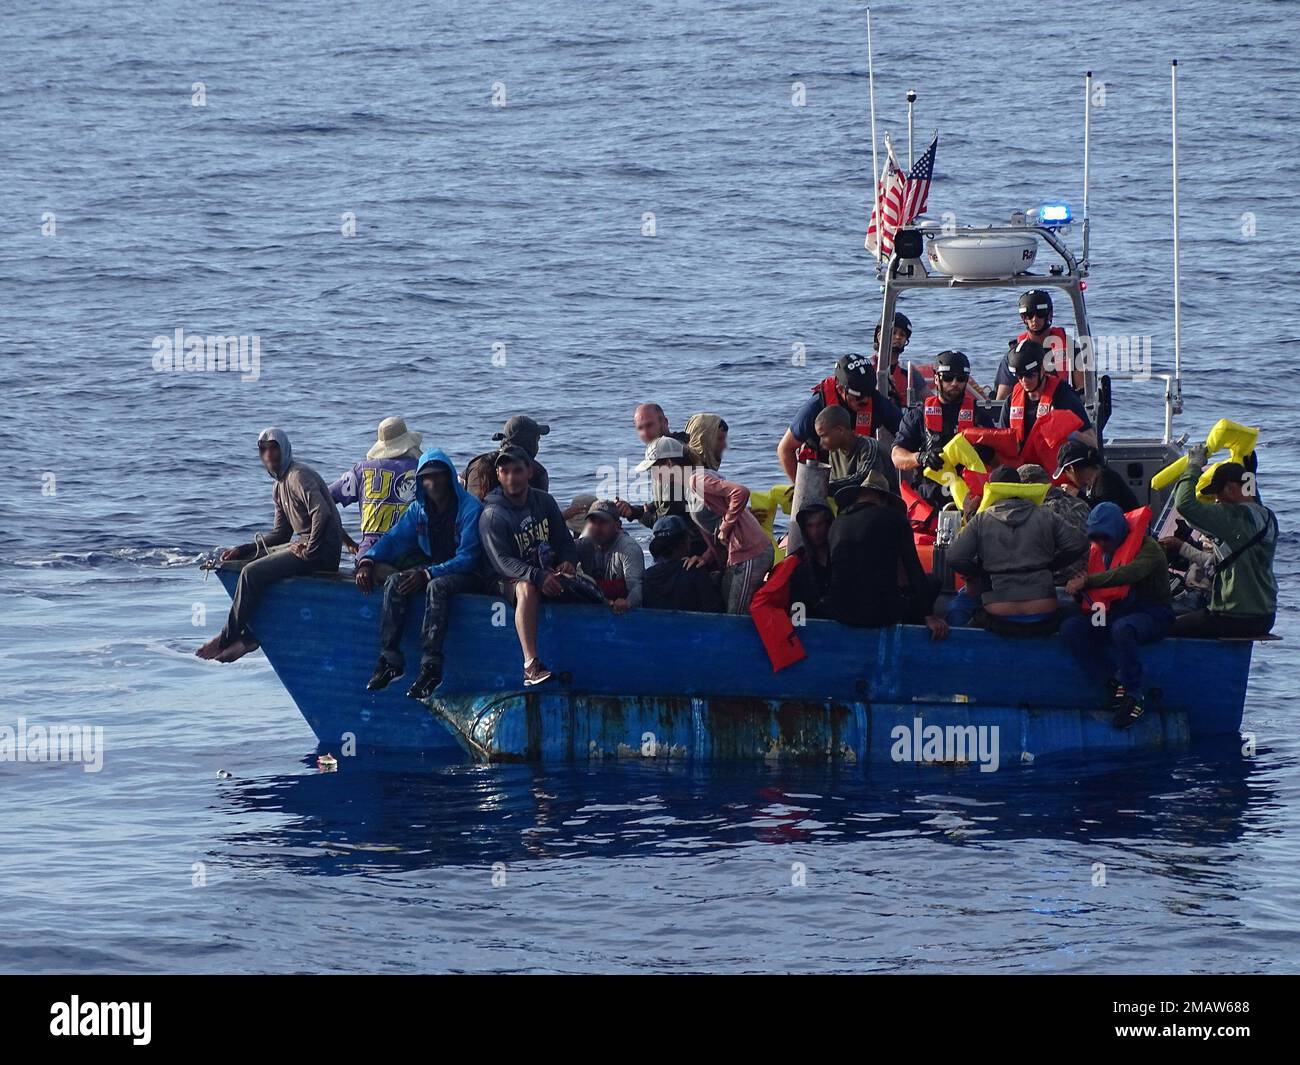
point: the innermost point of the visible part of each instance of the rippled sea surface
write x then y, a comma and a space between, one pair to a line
522, 226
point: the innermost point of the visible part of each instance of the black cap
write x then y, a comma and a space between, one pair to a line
511, 454
1225, 473
604, 508
1074, 453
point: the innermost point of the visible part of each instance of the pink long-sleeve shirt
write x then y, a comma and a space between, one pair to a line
730, 502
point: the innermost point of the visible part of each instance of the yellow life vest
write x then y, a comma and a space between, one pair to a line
995, 490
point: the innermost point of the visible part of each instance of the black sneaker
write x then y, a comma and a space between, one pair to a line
1116, 697
535, 673
430, 677
1127, 716
383, 676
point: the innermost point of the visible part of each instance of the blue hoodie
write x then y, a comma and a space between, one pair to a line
411, 533
1106, 519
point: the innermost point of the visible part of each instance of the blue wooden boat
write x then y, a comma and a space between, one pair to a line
666, 685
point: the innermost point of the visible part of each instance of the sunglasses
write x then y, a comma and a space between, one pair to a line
1033, 314
949, 377
1024, 375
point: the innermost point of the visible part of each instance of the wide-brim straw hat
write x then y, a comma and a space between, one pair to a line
394, 440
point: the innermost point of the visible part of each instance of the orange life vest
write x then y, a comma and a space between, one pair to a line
770, 609
1016, 413
864, 422
1138, 522
1058, 347
934, 414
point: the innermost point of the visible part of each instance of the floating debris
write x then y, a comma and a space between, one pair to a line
327, 763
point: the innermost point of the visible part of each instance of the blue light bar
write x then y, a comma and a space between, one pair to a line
1054, 214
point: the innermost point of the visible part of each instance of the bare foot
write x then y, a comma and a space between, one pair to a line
237, 650
210, 649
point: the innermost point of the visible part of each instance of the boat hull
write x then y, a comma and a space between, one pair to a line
667, 685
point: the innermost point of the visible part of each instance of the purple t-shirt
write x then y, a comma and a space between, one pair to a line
383, 488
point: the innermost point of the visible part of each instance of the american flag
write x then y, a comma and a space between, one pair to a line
903, 197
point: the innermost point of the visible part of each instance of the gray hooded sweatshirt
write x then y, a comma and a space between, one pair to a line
303, 505
1017, 544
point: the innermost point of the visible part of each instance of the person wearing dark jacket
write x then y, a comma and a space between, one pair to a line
529, 550
876, 577
1092, 481
439, 529
1138, 611
302, 506
678, 580
810, 583
522, 432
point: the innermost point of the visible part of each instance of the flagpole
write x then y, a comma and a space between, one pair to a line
911, 99
1087, 136
875, 167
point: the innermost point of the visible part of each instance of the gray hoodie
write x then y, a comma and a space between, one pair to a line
303, 505
1017, 545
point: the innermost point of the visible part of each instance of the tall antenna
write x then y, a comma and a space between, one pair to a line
875, 168
1177, 399
1087, 137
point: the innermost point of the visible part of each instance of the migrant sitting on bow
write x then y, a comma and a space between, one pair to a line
433, 551
1125, 594
530, 552
518, 432
302, 506
382, 484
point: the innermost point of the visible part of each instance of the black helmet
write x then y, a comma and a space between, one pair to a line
952, 362
901, 321
1026, 356
855, 375
1036, 300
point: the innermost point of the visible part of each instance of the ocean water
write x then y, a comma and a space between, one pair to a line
500, 263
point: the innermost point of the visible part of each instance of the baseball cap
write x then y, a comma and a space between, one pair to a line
666, 447
669, 527
511, 454
1224, 473
1072, 453
604, 508
521, 427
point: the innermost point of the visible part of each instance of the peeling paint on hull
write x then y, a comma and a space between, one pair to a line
662, 685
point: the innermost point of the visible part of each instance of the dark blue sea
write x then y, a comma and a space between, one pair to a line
209, 841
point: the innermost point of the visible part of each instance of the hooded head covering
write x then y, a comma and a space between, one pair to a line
521, 431
1106, 519
274, 435
702, 432
805, 512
